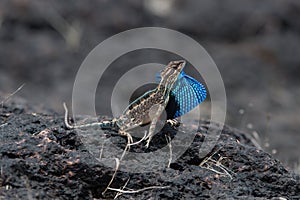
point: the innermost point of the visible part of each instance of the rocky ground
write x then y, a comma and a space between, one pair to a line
254, 43
40, 159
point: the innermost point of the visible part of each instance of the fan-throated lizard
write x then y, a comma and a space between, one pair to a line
173, 82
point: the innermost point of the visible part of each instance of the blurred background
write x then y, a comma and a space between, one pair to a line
255, 44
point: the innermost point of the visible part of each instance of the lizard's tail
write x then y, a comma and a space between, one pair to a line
104, 124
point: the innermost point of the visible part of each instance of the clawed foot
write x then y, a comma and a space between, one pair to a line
129, 137
173, 122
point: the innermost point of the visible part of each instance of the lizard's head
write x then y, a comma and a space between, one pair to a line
171, 72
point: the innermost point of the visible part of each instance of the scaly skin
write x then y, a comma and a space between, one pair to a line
145, 109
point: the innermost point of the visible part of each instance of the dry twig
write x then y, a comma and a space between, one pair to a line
113, 177
209, 162
10, 95
131, 191
171, 152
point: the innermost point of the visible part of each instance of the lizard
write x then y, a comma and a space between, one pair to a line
147, 108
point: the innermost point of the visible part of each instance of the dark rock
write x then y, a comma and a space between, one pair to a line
40, 159
254, 43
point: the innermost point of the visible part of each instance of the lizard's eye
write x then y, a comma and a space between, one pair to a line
178, 65
175, 66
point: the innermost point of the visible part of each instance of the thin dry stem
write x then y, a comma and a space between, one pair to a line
101, 151
206, 159
220, 166
168, 138
119, 193
209, 161
131, 191
124, 152
10, 95
113, 177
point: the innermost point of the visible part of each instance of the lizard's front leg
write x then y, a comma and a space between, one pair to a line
154, 120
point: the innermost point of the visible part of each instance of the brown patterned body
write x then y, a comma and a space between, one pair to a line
149, 107
145, 109
138, 112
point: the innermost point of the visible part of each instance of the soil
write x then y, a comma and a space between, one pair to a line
41, 159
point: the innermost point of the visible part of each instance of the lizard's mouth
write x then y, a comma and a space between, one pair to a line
179, 65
